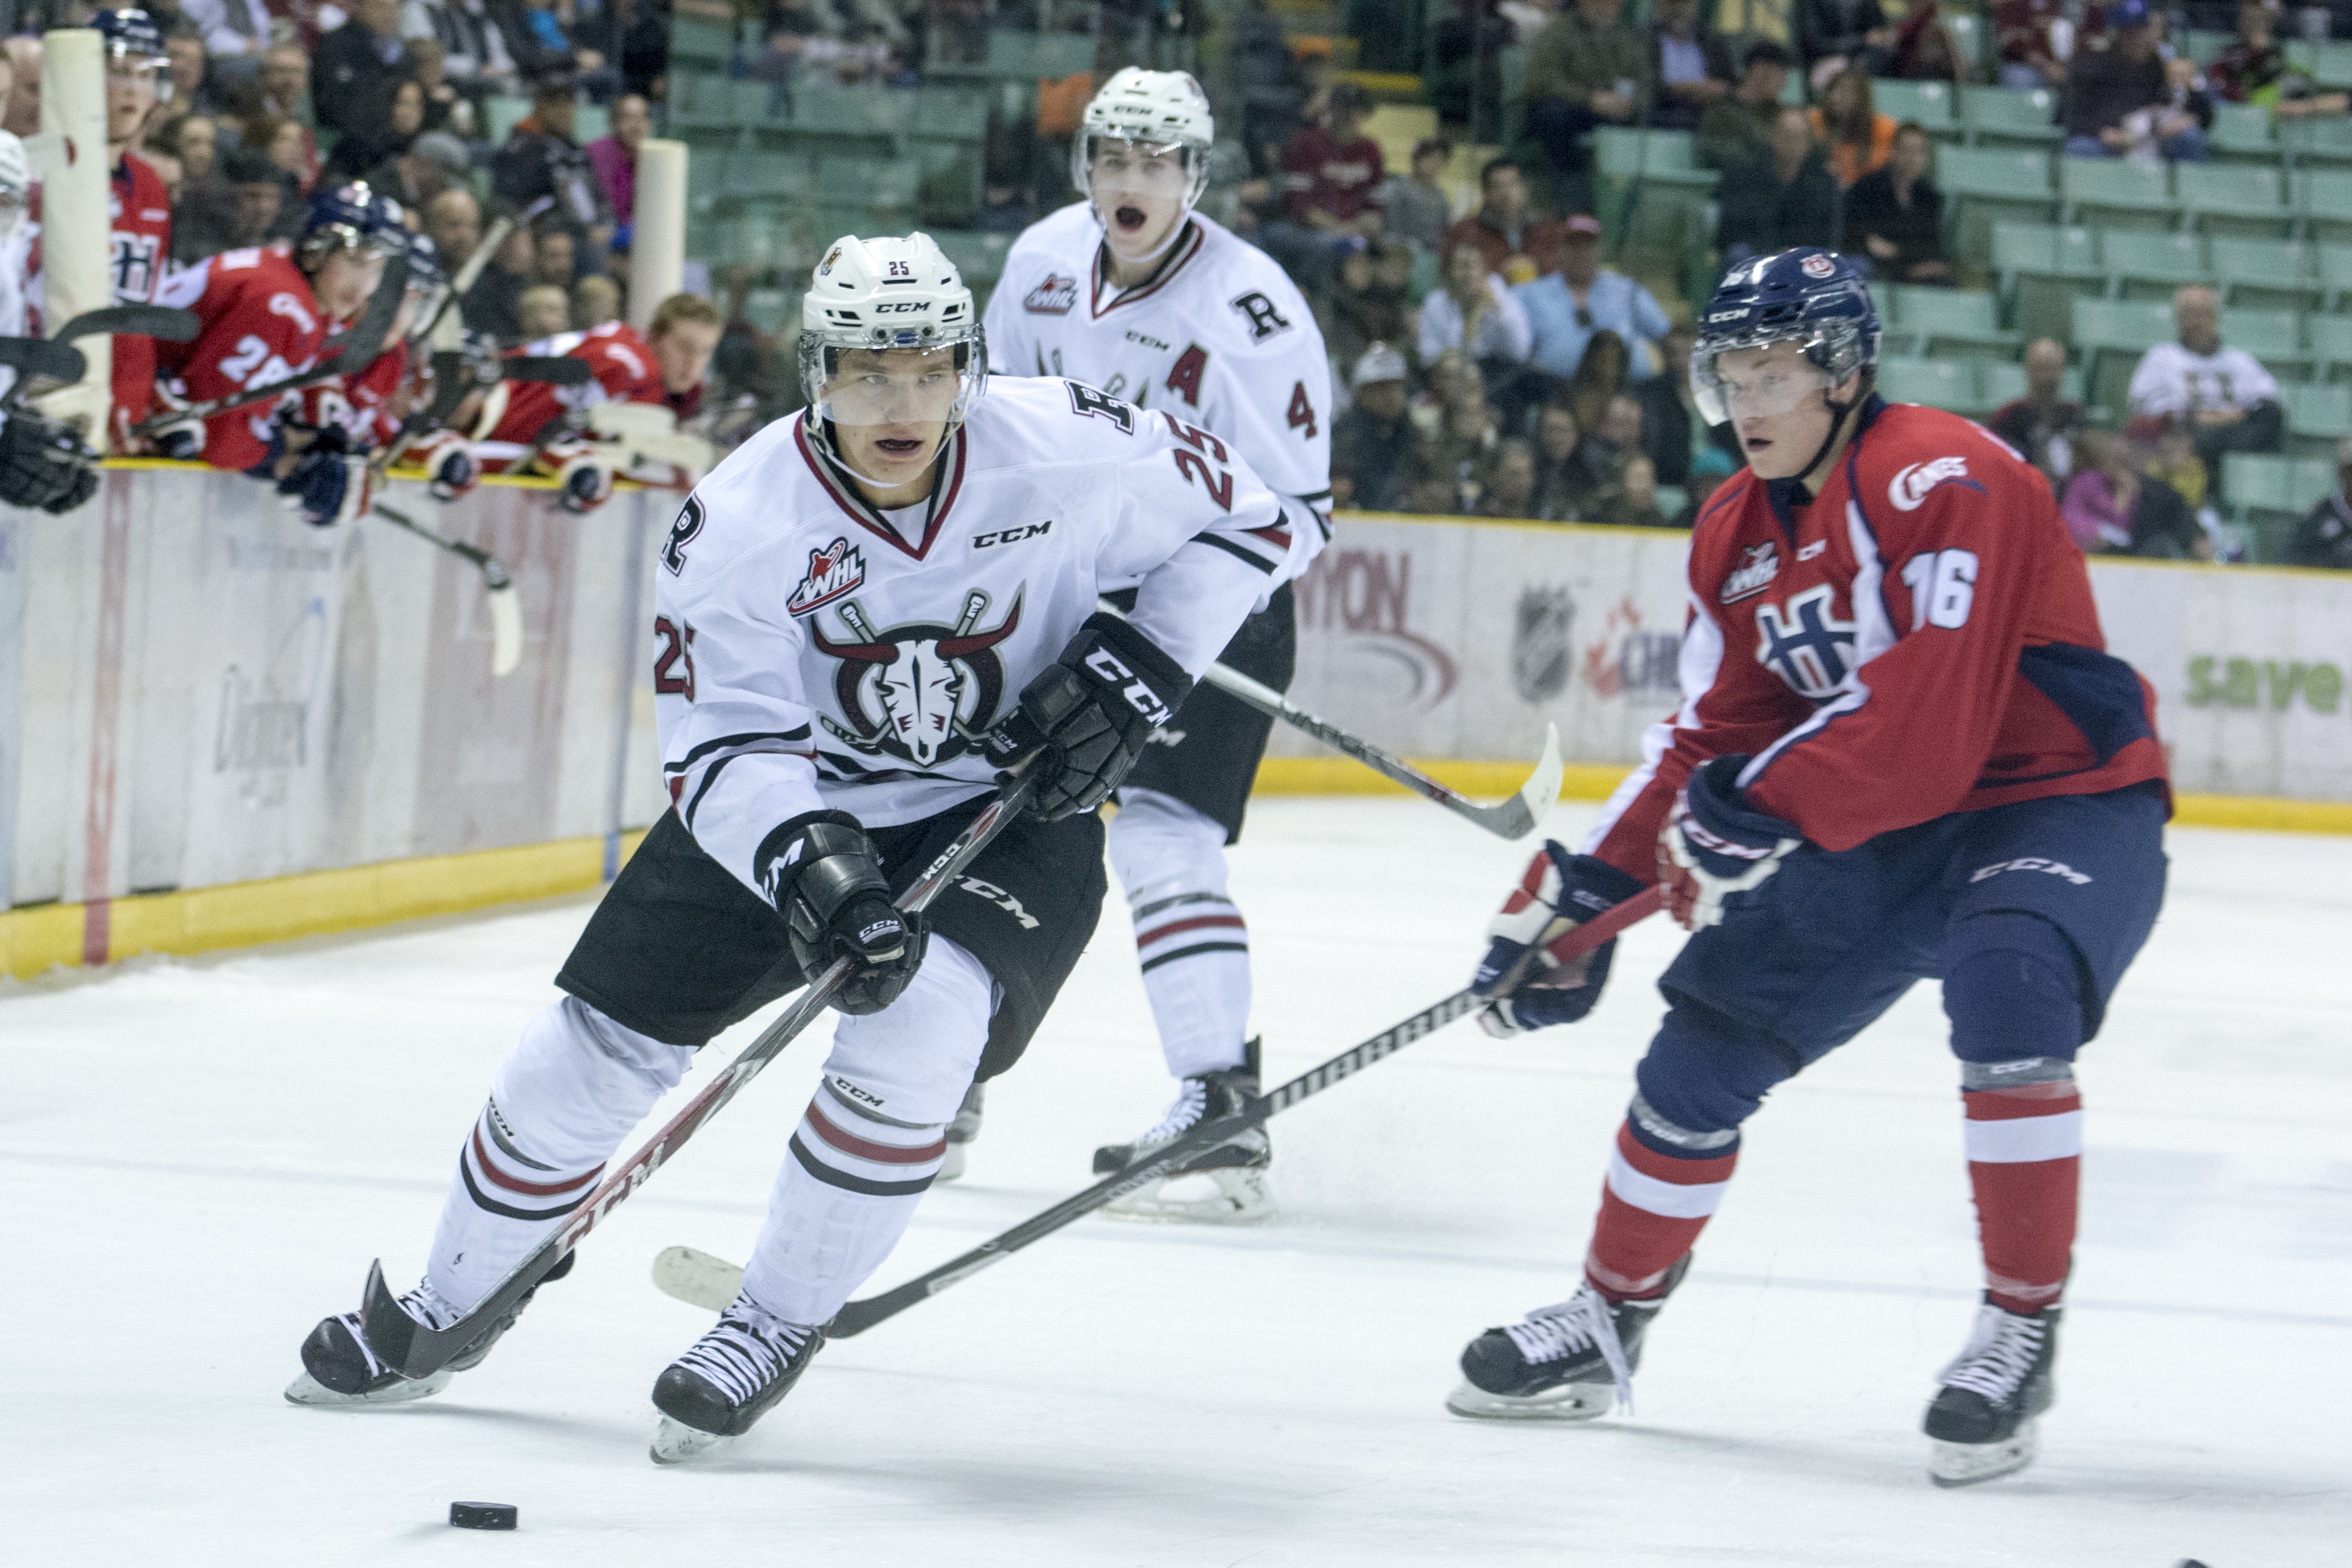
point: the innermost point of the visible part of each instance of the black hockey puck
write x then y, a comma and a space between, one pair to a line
482, 1515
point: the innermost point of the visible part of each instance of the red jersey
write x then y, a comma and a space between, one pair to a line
362, 403
623, 370
138, 251
261, 324
1919, 640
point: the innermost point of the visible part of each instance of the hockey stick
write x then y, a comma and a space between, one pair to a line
707, 1281
505, 607
467, 275
409, 1348
1513, 819
163, 322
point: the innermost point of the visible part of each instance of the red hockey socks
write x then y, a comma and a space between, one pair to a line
2025, 1146
1652, 1207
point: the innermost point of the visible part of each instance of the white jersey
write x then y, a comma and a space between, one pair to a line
2171, 380
811, 653
1221, 337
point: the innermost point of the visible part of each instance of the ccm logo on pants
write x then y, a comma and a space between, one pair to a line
2034, 863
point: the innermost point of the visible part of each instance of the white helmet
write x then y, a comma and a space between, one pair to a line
16, 184
1156, 108
887, 294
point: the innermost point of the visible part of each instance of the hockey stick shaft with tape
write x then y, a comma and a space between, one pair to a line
707, 1281
506, 608
409, 1348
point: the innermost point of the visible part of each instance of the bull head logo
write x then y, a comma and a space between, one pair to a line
925, 692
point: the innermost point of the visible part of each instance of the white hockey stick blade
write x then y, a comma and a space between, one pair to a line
697, 1277
1542, 792
506, 630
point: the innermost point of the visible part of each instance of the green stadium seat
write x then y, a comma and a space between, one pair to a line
2241, 134
2233, 199
2111, 336
2000, 117
881, 190
2114, 193
1984, 187
2332, 65
500, 114
2316, 143
1941, 322
770, 176
978, 256
696, 42
2334, 270
1929, 103
2004, 382
2258, 479
2070, 255
2274, 337
2317, 416
2324, 196
1939, 384
2331, 344
2151, 266
1967, 32
2272, 273
2201, 44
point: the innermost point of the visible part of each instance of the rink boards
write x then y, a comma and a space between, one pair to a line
217, 726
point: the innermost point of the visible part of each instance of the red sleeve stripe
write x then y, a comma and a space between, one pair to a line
498, 1178
1176, 928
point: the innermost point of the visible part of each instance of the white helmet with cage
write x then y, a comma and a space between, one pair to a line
879, 295
1156, 110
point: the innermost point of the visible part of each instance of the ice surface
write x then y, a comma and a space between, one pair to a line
199, 1159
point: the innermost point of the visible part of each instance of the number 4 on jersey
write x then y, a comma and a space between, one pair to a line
1302, 413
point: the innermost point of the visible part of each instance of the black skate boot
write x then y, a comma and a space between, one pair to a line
340, 1372
1984, 1417
961, 1132
1235, 1169
1567, 1362
747, 1362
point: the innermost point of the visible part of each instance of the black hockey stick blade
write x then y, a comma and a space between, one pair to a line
133, 321
550, 370
857, 1317
52, 357
414, 1351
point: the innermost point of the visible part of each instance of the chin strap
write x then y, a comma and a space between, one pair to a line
1839, 413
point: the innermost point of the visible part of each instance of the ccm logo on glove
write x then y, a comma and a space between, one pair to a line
1139, 696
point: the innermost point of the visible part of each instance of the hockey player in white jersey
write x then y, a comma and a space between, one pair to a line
1132, 292
864, 616
42, 463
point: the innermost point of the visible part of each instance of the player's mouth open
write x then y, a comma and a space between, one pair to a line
900, 445
1129, 219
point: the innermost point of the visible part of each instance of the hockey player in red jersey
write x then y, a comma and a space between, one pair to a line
530, 426
1902, 752
138, 78
265, 316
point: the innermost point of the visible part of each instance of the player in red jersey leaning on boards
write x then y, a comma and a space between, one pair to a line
1902, 752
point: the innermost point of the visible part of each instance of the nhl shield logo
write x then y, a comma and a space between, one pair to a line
835, 570
922, 693
1540, 655
1054, 297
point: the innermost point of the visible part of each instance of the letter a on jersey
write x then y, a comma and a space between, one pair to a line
1184, 377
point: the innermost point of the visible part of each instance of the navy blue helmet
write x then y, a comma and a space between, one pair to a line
1815, 299
342, 218
131, 37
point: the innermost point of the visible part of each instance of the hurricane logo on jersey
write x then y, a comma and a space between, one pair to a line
923, 693
835, 570
1805, 644
1054, 297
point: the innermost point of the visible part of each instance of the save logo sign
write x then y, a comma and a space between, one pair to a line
2214, 680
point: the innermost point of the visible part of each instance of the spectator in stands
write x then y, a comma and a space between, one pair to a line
2119, 97
1840, 34
1785, 197
2045, 423
2224, 397
645, 65
1466, 52
445, 108
1747, 23
494, 304
263, 212
1691, 69
358, 66
2324, 538
1738, 127
2169, 452
1455, 457
1331, 192
1374, 445
1476, 314
473, 49
1598, 382
1417, 207
388, 136
2030, 38
1588, 68
433, 163
615, 156
453, 222
540, 159
1632, 501
1562, 489
594, 302
1683, 449
23, 115
234, 31
1527, 17
1509, 489
1925, 49
191, 92
1368, 303
282, 142
205, 217
1896, 216
2111, 509
1516, 243
1860, 139
2252, 64
553, 259
1568, 310
544, 311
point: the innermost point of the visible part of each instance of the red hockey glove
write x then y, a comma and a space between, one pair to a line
1527, 985
584, 470
447, 459
1715, 844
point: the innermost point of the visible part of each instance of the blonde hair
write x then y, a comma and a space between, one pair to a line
682, 308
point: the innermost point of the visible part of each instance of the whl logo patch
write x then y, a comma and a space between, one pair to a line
1759, 565
835, 570
1909, 489
1054, 297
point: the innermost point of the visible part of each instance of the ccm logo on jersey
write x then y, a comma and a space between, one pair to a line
2032, 863
1140, 697
1759, 565
1908, 489
1012, 535
1001, 898
832, 572
1054, 297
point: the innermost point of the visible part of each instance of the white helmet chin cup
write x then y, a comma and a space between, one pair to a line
1153, 109
884, 294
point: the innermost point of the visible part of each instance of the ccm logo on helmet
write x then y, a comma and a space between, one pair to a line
887, 306
1909, 488
1140, 697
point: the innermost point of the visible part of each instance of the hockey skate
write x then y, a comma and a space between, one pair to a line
1223, 1185
1568, 1362
961, 1132
716, 1390
1984, 1418
341, 1373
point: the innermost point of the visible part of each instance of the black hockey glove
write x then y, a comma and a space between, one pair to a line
821, 873
43, 464
1088, 717
1525, 985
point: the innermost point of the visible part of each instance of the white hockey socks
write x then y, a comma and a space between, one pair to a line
872, 1139
560, 1105
1189, 937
